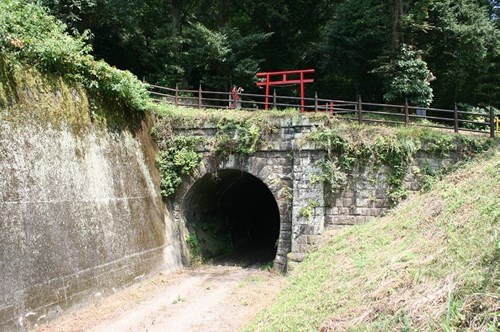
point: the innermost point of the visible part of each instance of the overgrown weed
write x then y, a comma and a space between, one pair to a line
430, 264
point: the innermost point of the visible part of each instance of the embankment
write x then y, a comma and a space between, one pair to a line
80, 208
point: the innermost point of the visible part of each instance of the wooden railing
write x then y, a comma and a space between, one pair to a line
359, 111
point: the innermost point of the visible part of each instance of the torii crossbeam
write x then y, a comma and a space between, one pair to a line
297, 77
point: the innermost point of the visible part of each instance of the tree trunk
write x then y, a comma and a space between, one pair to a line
396, 14
176, 17
223, 12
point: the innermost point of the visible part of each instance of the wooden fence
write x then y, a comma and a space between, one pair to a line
360, 111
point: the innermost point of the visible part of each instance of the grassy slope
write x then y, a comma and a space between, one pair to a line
431, 264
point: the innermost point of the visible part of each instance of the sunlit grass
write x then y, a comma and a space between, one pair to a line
431, 264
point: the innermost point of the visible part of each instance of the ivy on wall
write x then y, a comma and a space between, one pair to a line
350, 145
177, 157
236, 132
347, 144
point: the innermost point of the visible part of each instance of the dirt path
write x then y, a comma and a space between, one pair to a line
208, 298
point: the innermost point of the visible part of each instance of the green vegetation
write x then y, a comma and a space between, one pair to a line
430, 264
407, 79
179, 299
177, 157
29, 36
213, 238
237, 132
350, 145
308, 210
195, 256
358, 47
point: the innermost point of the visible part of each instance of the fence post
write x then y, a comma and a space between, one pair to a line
492, 123
199, 97
176, 94
455, 117
360, 109
407, 113
274, 99
315, 102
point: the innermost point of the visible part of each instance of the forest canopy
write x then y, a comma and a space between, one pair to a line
381, 50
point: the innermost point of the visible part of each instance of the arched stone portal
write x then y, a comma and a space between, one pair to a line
232, 213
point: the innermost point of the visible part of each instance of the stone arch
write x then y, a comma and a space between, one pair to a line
193, 198
232, 212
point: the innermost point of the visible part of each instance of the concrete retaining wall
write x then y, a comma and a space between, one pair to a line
80, 210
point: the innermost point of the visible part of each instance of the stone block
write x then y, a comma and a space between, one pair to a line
377, 212
381, 203
312, 239
295, 257
347, 202
286, 234
345, 220
363, 202
303, 248
307, 230
344, 211
331, 211
357, 211
329, 220
282, 251
285, 226
348, 194
284, 243
291, 266
301, 239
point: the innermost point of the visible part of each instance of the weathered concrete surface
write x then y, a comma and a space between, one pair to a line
80, 210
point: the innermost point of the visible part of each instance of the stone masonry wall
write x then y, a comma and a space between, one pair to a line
287, 164
366, 194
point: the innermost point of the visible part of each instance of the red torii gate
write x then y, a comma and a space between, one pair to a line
285, 80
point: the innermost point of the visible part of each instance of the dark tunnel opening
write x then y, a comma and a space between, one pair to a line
232, 217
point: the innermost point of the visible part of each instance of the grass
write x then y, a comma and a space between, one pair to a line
431, 264
198, 117
179, 299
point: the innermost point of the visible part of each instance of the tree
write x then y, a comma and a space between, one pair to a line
463, 49
406, 78
357, 34
225, 41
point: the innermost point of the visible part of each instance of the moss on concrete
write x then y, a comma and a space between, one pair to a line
28, 96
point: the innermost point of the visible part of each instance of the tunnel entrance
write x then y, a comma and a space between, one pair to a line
232, 216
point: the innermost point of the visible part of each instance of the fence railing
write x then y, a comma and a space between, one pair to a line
455, 119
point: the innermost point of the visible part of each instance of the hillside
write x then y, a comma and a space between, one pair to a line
430, 264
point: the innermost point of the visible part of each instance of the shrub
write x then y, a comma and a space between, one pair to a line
29, 35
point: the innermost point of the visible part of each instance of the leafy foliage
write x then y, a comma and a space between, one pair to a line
308, 210
464, 49
177, 157
479, 115
398, 153
407, 79
29, 35
237, 137
350, 147
353, 38
221, 43
237, 132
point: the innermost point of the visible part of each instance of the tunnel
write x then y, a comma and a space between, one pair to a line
232, 216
